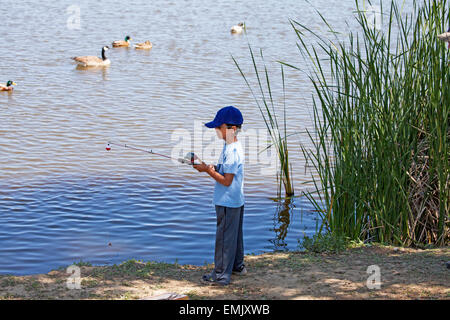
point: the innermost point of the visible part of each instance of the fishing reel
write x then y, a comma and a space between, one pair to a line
190, 159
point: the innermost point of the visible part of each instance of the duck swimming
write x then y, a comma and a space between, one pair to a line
144, 45
122, 43
93, 61
238, 29
8, 86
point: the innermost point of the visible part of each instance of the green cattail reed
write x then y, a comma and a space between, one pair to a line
381, 113
277, 131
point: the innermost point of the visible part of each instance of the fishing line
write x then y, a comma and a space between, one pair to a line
189, 159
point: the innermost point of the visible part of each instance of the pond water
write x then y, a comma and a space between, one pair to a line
64, 198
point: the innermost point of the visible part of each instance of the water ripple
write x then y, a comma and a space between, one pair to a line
63, 198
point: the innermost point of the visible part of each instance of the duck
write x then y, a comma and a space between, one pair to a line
7, 86
93, 61
144, 45
122, 43
238, 29
445, 37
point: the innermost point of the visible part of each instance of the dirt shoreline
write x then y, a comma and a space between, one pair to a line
405, 274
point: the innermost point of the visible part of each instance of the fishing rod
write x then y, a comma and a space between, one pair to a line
189, 159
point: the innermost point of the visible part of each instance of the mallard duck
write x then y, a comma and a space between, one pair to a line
7, 86
122, 43
238, 29
144, 45
445, 37
93, 61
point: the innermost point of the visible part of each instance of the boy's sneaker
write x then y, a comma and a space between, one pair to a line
242, 271
207, 279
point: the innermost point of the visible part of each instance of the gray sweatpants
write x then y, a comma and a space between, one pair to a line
229, 250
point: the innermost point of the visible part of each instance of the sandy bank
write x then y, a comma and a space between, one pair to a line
405, 274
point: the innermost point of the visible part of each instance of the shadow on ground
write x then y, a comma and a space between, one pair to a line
404, 274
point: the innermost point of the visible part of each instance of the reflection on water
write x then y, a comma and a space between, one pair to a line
293, 214
282, 219
103, 70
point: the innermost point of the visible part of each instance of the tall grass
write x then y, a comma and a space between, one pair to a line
277, 130
381, 113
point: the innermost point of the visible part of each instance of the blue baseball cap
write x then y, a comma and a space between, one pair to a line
228, 115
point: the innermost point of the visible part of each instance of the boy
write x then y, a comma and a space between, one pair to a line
228, 197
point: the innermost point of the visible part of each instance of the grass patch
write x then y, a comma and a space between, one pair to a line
82, 264
9, 281
34, 286
325, 243
89, 283
136, 269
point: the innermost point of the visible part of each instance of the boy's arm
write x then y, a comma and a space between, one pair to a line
225, 179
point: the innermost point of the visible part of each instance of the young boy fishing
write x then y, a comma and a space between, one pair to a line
228, 197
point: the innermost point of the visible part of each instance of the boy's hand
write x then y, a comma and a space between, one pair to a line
225, 179
203, 167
